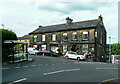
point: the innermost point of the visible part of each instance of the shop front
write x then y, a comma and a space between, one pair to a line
18, 51
54, 47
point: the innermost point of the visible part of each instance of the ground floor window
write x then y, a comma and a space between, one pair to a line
85, 48
64, 48
43, 47
54, 48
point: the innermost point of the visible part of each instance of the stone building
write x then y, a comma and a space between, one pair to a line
82, 36
25, 38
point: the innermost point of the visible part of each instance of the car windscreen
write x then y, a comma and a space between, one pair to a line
71, 53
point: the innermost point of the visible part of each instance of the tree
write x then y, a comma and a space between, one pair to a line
7, 35
117, 52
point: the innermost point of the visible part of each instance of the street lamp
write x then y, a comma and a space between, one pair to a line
109, 48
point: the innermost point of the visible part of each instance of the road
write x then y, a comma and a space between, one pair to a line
59, 69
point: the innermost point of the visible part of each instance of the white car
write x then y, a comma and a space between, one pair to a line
74, 55
32, 51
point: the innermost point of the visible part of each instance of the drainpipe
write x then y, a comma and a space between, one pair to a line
109, 48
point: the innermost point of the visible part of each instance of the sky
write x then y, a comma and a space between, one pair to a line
24, 16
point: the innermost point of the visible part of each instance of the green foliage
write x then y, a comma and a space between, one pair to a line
8, 35
117, 52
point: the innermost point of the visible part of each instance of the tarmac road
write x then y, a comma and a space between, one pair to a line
58, 69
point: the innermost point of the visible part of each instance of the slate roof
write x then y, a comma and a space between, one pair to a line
24, 37
63, 27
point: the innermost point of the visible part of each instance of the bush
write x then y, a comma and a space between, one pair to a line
6, 35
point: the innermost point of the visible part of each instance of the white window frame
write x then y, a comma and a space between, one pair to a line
85, 46
84, 34
96, 34
53, 37
43, 37
74, 33
64, 35
35, 38
65, 48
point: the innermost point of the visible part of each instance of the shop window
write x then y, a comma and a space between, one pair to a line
65, 37
64, 48
74, 35
43, 38
85, 48
85, 35
43, 47
53, 37
35, 38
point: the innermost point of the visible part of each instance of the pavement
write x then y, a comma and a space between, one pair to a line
58, 69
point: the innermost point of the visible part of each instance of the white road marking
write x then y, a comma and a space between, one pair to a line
6, 68
25, 66
18, 81
49, 73
53, 72
46, 64
40, 65
17, 67
107, 68
89, 63
33, 65
53, 64
72, 70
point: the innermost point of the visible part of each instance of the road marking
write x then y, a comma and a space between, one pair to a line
46, 64
72, 70
53, 64
40, 65
89, 63
6, 68
18, 81
53, 72
49, 73
33, 65
17, 67
25, 66
107, 68
108, 80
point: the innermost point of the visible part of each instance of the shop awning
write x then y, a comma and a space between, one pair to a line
15, 42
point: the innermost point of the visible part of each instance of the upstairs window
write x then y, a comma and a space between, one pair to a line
85, 36
43, 38
96, 34
74, 35
35, 38
53, 37
65, 37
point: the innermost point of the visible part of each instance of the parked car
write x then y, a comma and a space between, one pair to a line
74, 55
49, 53
32, 51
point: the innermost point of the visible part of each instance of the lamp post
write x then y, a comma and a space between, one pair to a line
109, 48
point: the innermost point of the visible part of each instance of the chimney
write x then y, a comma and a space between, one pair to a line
40, 26
100, 18
68, 20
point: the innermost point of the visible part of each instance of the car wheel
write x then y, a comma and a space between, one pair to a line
67, 57
78, 59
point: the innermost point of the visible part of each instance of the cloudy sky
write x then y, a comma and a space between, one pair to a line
24, 16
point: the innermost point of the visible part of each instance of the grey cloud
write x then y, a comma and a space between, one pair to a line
74, 6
